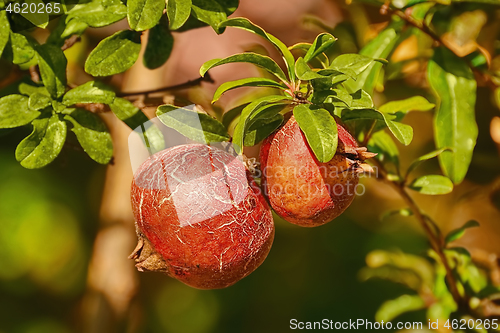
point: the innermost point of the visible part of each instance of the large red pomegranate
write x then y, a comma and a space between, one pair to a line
200, 217
303, 190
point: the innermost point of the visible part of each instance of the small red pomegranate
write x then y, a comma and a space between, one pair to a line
200, 217
302, 190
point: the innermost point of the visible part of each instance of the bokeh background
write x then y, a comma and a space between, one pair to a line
66, 230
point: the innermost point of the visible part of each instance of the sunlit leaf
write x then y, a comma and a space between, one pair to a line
389, 310
14, 111
416, 103
144, 14
39, 101
245, 24
178, 12
52, 64
44, 144
196, 126
432, 185
4, 30
92, 134
320, 130
247, 82
459, 232
114, 54
209, 12
89, 92
95, 14
253, 58
322, 42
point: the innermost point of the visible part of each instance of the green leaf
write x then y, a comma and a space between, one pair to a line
4, 30
403, 212
425, 157
247, 82
209, 12
39, 101
304, 72
247, 113
14, 111
114, 54
322, 58
159, 47
44, 144
30, 89
389, 310
352, 62
432, 185
229, 116
52, 63
92, 134
382, 144
38, 18
322, 42
416, 103
261, 129
379, 47
361, 100
259, 60
74, 27
459, 232
454, 123
245, 24
402, 132
89, 92
320, 130
144, 14
196, 126
22, 51
178, 12
95, 14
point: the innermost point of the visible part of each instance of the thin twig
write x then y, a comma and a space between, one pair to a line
185, 85
70, 42
34, 73
435, 240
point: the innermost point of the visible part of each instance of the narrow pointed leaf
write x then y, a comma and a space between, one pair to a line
229, 116
459, 232
52, 63
416, 103
402, 132
14, 111
389, 310
424, 158
92, 134
248, 82
253, 58
432, 185
322, 58
320, 130
454, 123
261, 129
245, 24
44, 144
322, 42
304, 72
383, 144
246, 114
178, 12
380, 47
89, 92
144, 14
196, 126
114, 54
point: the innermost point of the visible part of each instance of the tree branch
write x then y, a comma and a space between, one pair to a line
435, 240
185, 85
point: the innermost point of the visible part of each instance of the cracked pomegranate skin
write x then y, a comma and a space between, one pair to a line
201, 211
301, 189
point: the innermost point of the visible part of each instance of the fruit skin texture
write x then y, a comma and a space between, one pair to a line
200, 217
300, 189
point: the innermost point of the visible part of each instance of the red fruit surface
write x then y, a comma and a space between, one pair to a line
300, 189
204, 220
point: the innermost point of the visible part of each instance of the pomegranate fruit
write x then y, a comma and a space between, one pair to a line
303, 190
200, 217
